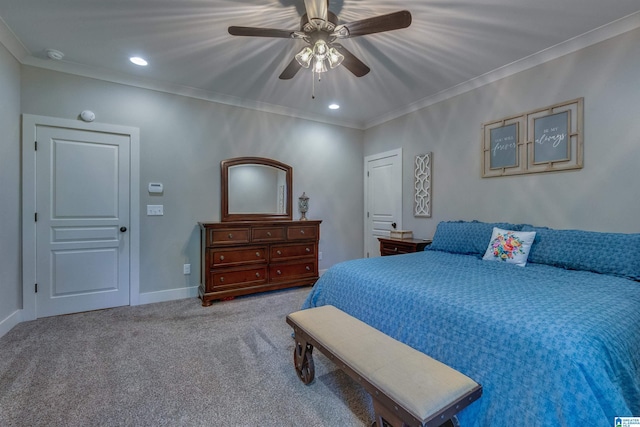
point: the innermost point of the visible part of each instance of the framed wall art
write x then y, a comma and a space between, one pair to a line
554, 137
503, 148
543, 140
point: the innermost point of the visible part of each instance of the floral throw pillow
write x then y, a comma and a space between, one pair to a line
509, 246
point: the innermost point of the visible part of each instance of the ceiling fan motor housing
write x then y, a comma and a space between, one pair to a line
310, 25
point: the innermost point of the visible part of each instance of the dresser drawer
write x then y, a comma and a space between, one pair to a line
300, 232
287, 252
228, 235
291, 271
232, 279
236, 256
267, 234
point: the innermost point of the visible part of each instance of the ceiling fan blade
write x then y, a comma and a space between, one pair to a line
291, 70
260, 32
377, 24
316, 9
351, 63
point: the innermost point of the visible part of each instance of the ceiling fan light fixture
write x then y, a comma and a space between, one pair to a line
335, 58
304, 57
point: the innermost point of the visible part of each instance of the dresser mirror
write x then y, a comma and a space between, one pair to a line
255, 189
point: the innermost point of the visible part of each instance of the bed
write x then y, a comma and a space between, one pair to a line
553, 343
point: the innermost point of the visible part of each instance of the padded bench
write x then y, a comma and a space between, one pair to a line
408, 387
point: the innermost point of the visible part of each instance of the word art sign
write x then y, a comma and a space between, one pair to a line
550, 138
504, 146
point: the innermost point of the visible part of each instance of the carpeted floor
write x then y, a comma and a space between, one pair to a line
172, 364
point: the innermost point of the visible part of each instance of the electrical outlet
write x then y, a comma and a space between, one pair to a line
155, 210
319, 255
186, 269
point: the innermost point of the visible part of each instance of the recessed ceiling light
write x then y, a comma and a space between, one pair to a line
138, 61
333, 106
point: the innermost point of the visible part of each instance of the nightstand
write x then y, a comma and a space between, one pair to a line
390, 246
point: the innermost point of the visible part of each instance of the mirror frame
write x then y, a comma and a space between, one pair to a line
224, 189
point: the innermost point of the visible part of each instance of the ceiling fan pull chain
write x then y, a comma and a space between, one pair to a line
313, 84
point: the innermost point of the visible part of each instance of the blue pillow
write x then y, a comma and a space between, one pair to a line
616, 254
466, 237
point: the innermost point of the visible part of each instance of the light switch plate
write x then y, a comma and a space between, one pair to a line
153, 210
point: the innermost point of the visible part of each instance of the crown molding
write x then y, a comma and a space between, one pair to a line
12, 43
597, 35
22, 54
605, 32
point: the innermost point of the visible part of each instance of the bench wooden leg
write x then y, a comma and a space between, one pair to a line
303, 360
386, 418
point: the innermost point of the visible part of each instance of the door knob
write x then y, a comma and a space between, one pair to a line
123, 229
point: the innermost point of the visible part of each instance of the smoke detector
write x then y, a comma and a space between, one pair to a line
55, 54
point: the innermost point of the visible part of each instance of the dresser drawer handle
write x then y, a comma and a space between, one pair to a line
301, 231
222, 278
278, 272
269, 233
258, 254
308, 249
395, 249
279, 252
257, 274
308, 268
230, 236
221, 257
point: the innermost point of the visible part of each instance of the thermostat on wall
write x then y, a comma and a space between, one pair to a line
155, 187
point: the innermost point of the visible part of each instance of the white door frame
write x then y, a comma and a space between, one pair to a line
29, 123
396, 152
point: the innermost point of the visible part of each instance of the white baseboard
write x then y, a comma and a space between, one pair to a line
10, 321
321, 272
168, 295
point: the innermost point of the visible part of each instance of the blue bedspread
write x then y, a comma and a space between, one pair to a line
551, 347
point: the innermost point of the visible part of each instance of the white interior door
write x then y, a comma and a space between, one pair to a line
82, 205
383, 198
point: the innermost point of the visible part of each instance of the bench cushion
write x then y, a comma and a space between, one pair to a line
422, 385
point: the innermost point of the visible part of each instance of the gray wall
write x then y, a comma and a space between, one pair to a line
182, 142
603, 196
10, 266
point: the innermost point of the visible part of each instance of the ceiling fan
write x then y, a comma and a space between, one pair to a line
319, 28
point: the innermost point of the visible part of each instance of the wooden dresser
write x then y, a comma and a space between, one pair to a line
245, 257
389, 246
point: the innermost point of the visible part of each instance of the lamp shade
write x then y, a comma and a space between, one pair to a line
335, 58
304, 57
320, 49
319, 65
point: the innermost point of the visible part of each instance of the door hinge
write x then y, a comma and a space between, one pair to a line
36, 145
367, 174
367, 214
36, 216
36, 288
